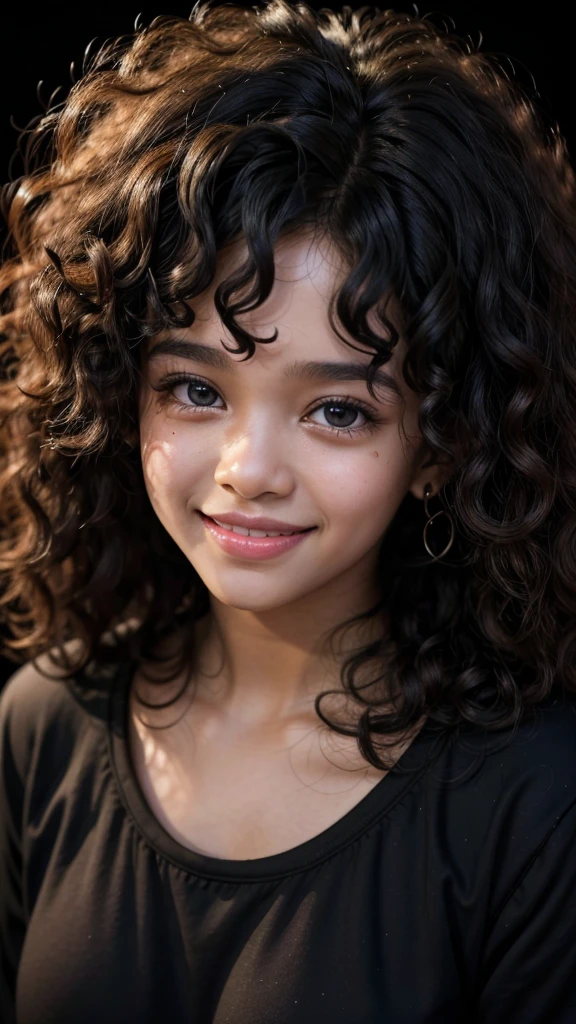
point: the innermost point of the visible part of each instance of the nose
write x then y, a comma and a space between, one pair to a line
255, 463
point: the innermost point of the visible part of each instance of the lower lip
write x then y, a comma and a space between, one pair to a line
256, 548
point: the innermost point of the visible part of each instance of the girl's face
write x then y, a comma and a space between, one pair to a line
263, 438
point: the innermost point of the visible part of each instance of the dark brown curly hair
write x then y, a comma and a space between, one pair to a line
439, 179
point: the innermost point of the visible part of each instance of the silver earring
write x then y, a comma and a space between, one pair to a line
441, 512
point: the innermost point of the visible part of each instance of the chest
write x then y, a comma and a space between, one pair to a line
238, 796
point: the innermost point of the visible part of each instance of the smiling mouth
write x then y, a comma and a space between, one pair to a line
244, 532
256, 544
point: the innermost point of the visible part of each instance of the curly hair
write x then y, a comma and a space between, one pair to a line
440, 181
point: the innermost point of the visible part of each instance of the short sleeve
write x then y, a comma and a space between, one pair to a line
529, 964
12, 916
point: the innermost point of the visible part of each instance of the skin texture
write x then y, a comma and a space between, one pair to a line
266, 448
245, 768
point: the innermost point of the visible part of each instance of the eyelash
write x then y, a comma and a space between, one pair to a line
168, 383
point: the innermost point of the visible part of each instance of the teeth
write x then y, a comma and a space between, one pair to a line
256, 533
252, 533
223, 525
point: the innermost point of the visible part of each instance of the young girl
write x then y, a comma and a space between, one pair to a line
288, 534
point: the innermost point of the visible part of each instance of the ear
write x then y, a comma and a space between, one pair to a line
427, 472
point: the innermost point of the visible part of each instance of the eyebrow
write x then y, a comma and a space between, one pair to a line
297, 370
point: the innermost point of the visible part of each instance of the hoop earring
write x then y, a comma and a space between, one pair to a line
441, 512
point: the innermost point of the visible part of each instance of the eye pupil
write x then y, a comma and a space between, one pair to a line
343, 411
201, 391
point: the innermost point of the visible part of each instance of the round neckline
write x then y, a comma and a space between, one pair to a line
424, 748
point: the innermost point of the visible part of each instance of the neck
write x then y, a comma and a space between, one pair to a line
269, 666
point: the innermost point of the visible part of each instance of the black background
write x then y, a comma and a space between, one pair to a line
39, 44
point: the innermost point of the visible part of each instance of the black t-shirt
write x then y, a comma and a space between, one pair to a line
448, 893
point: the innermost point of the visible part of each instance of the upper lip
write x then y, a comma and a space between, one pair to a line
253, 522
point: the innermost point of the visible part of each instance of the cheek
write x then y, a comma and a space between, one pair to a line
171, 465
363, 491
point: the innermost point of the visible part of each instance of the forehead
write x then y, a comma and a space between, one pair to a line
307, 273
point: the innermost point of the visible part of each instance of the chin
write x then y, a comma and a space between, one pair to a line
242, 600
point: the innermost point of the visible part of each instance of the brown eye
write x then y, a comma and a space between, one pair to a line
341, 417
198, 392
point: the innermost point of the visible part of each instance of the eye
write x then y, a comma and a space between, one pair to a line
202, 395
198, 390
345, 414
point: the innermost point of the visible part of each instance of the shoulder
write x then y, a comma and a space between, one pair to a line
44, 711
530, 932
546, 732
518, 781
39, 689
33, 706
497, 798
544, 739
32, 689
